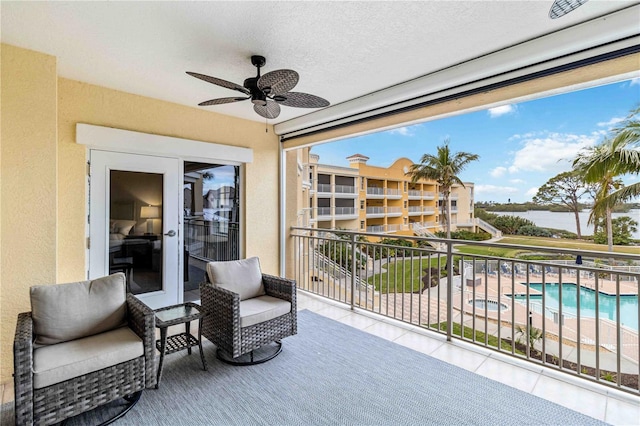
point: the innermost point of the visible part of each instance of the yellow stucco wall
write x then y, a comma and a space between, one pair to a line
28, 179
85, 103
42, 244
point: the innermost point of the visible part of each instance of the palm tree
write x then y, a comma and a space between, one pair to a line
593, 169
443, 168
623, 157
602, 163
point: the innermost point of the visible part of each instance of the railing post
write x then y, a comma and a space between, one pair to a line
353, 270
450, 290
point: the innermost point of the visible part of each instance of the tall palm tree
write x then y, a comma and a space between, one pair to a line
602, 164
623, 157
443, 168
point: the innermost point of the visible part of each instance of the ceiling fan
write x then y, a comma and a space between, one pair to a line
267, 92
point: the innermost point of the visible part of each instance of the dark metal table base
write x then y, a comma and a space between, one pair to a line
168, 345
257, 356
131, 400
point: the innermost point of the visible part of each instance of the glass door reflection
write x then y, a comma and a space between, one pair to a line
135, 229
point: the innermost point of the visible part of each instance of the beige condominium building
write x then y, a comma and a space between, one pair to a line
375, 199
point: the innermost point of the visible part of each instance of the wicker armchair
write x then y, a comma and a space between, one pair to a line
112, 356
246, 324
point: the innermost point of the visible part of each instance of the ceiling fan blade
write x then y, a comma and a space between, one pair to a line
279, 81
270, 110
221, 101
219, 82
303, 100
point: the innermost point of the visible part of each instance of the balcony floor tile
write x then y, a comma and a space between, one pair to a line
576, 398
469, 360
622, 413
386, 331
419, 343
508, 374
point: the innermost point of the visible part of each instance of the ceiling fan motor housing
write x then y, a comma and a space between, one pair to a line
258, 97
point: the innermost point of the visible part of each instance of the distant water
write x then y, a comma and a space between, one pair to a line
566, 220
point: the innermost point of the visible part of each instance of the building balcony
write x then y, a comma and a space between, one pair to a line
393, 194
345, 213
375, 193
414, 194
490, 295
376, 229
452, 196
428, 195
415, 210
429, 211
373, 212
394, 211
324, 189
345, 191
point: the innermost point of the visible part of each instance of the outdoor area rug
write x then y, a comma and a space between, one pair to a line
332, 374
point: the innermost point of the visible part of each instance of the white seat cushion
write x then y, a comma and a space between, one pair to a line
261, 309
239, 276
56, 363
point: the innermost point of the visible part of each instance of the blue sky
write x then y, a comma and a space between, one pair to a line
521, 145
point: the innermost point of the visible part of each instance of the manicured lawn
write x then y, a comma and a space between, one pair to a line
405, 276
540, 242
479, 336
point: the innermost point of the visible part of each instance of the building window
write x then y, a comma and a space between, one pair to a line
362, 224
362, 184
361, 204
405, 187
405, 204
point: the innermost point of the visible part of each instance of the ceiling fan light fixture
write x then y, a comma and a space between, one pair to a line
266, 92
562, 7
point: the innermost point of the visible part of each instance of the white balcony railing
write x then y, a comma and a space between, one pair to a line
324, 187
345, 189
345, 211
375, 210
375, 191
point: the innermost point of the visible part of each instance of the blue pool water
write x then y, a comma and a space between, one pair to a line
628, 304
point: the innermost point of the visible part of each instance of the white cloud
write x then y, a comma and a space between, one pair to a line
516, 181
501, 110
532, 192
493, 189
498, 172
613, 121
402, 131
551, 153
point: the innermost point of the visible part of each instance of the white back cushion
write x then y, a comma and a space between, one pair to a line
72, 311
239, 276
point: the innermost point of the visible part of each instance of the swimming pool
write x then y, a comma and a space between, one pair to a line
491, 305
628, 304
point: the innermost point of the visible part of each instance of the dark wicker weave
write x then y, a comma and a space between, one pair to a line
222, 323
63, 400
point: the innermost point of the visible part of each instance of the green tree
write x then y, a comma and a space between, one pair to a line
622, 230
595, 166
443, 168
564, 189
511, 224
623, 157
616, 156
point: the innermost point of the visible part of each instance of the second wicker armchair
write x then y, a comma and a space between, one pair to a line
248, 312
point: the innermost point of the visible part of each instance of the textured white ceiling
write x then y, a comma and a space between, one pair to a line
342, 50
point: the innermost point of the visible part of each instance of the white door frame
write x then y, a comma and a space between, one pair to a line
102, 163
126, 141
